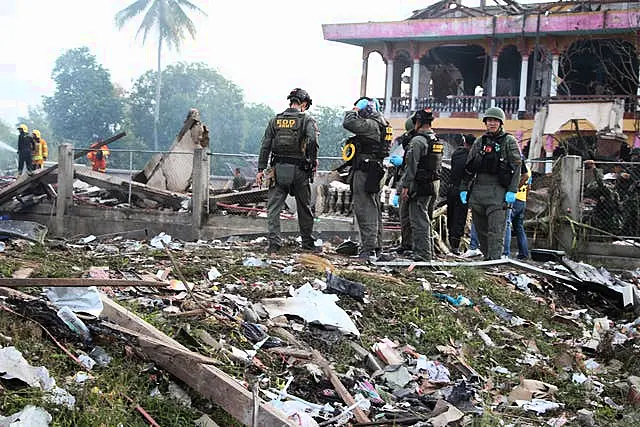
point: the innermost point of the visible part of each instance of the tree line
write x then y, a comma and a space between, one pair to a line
86, 106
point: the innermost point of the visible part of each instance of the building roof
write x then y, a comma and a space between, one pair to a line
444, 21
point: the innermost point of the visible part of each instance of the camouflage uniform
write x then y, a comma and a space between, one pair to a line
366, 204
406, 238
297, 183
487, 195
419, 204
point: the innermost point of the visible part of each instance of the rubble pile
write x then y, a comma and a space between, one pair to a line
329, 339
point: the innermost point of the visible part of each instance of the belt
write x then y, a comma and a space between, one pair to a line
364, 165
288, 160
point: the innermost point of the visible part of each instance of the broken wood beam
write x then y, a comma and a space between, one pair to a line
75, 282
152, 344
97, 145
111, 182
209, 381
241, 197
339, 387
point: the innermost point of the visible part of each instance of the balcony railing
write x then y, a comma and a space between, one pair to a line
631, 102
510, 104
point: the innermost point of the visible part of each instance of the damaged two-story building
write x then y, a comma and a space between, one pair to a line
460, 60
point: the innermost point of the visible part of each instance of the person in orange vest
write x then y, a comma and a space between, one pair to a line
41, 151
98, 158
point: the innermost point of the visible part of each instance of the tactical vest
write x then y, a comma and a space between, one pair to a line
493, 160
374, 148
430, 163
289, 138
492, 154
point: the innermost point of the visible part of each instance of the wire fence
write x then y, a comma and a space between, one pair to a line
231, 176
227, 166
611, 199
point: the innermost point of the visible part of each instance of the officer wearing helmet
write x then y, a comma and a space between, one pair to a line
25, 149
372, 139
406, 238
421, 182
290, 147
490, 181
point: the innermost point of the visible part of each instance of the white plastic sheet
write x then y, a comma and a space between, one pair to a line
30, 416
80, 300
314, 307
14, 366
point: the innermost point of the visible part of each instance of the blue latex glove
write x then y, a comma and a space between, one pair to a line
463, 197
376, 104
362, 104
395, 202
510, 197
396, 160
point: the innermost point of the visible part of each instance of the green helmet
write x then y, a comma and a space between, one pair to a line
408, 125
495, 113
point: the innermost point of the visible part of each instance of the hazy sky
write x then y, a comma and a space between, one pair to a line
265, 47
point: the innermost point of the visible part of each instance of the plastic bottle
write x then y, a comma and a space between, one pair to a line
74, 323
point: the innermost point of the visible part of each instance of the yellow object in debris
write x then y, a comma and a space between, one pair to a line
317, 262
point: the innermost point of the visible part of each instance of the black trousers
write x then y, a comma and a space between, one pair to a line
456, 217
26, 159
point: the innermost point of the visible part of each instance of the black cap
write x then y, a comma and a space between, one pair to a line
423, 116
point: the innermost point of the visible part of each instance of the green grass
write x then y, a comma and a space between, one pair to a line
395, 311
101, 400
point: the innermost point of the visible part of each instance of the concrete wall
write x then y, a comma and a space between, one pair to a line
85, 220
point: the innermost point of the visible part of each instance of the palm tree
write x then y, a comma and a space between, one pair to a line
172, 24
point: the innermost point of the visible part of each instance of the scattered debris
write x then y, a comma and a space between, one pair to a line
14, 366
30, 416
292, 328
314, 307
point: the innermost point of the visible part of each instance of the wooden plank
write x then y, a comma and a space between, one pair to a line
75, 282
243, 197
98, 144
207, 380
12, 293
339, 387
149, 345
111, 182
